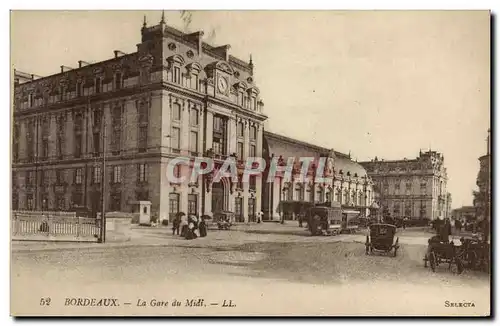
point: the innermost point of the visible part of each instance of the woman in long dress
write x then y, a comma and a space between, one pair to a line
202, 226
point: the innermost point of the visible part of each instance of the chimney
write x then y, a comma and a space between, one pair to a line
119, 53
65, 68
82, 63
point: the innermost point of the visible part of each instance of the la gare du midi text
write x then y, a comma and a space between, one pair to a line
87, 302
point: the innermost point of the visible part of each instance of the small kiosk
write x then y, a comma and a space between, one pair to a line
143, 210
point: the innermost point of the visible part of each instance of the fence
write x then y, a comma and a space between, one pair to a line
53, 226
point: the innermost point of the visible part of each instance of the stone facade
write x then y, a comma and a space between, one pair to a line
175, 96
411, 188
346, 181
482, 197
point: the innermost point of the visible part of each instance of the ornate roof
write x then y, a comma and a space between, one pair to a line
286, 147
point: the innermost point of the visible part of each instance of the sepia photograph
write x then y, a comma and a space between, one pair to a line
250, 163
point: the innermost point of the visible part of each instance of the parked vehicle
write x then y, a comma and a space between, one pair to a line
381, 238
350, 221
324, 220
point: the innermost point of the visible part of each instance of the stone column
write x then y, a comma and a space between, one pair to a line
275, 188
246, 195
209, 130
185, 130
260, 140
164, 189
246, 139
208, 202
231, 132
258, 194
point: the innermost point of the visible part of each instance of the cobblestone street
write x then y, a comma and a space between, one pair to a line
265, 260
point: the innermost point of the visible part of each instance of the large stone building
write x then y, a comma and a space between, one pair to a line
412, 188
174, 96
346, 183
482, 198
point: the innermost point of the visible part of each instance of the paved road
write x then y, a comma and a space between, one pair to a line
262, 273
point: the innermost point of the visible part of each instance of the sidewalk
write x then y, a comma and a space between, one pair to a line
238, 235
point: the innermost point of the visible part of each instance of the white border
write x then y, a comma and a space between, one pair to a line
256, 4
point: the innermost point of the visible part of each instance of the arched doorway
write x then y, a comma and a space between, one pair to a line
220, 195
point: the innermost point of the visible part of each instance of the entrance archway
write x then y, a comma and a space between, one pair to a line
220, 195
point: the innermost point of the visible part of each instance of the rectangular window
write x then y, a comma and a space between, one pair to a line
176, 112
29, 202
253, 133
77, 198
97, 142
239, 151
253, 150
118, 81
173, 200
117, 174
143, 109
59, 177
240, 129
194, 82
97, 86
193, 142
45, 148
193, 204
78, 176
96, 177
218, 146
193, 117
176, 138
177, 75
143, 139
78, 146
116, 141
142, 173
116, 201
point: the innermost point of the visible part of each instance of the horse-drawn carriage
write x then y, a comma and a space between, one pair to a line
224, 219
471, 254
381, 238
439, 252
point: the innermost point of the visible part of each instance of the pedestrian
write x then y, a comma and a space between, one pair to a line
445, 231
202, 226
183, 225
176, 225
260, 214
405, 220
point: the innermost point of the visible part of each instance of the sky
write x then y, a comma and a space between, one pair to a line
373, 83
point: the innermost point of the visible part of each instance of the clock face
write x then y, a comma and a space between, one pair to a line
222, 84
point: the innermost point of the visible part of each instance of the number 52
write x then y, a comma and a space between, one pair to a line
45, 302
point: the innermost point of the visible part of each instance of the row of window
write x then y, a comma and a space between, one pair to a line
78, 175
77, 199
67, 93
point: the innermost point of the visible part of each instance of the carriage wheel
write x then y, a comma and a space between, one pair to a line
432, 261
471, 258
